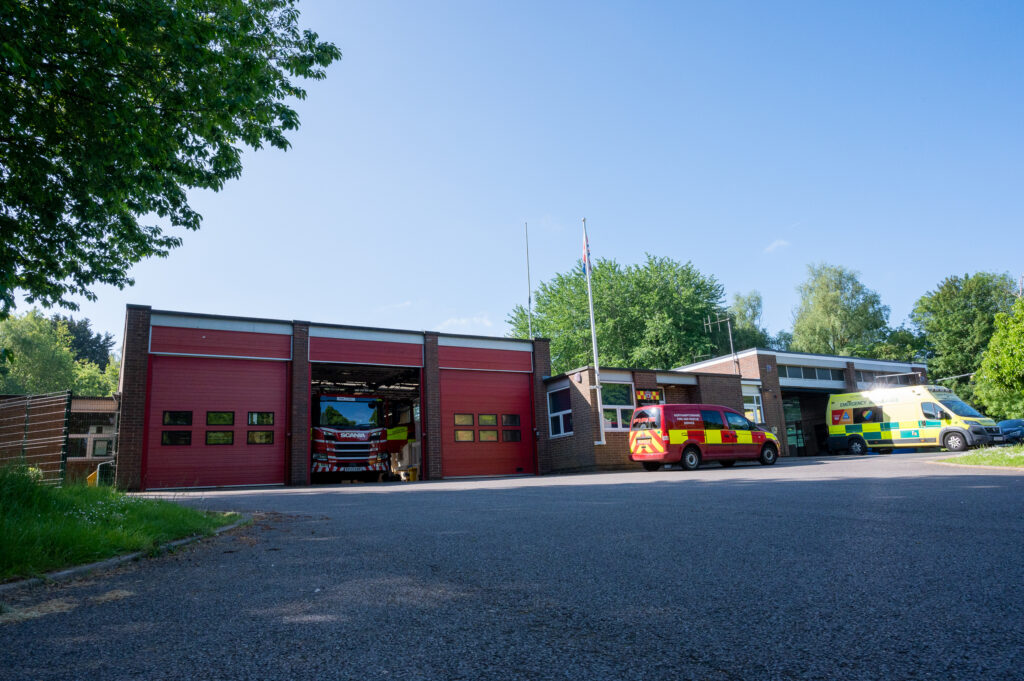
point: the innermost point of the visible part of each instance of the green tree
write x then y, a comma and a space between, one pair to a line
111, 110
747, 331
649, 315
901, 344
1000, 382
91, 381
94, 347
958, 320
837, 314
41, 359
782, 341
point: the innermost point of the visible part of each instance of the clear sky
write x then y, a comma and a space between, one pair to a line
751, 138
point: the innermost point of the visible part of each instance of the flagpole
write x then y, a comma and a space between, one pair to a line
593, 332
529, 286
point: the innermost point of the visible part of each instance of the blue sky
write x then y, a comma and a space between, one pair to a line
751, 138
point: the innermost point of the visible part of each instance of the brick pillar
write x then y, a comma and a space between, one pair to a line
298, 421
771, 399
541, 370
850, 376
431, 389
133, 386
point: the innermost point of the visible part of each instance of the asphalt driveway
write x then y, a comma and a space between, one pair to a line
880, 567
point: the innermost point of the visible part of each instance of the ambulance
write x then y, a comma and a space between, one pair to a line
691, 434
912, 416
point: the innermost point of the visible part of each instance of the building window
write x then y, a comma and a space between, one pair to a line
753, 408
487, 420
220, 437
510, 420
560, 412
220, 418
463, 419
259, 437
464, 436
91, 434
179, 438
511, 436
618, 405
488, 436
261, 418
177, 418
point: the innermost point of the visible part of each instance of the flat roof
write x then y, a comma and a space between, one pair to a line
787, 354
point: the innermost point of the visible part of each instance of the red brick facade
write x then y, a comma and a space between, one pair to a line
298, 435
133, 389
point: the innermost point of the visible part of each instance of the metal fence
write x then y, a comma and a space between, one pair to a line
34, 432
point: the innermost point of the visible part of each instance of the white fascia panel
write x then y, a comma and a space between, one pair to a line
214, 324
671, 378
613, 376
486, 343
802, 383
366, 335
557, 385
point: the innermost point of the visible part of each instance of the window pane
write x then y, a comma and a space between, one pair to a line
511, 435
220, 437
488, 436
559, 401
824, 374
463, 419
567, 423
220, 418
712, 420
783, 371
463, 435
617, 394
487, 420
259, 437
510, 419
867, 415
177, 418
261, 418
611, 418
736, 422
556, 425
102, 447
76, 447
838, 375
176, 437
860, 376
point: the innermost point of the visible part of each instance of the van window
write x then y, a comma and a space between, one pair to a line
737, 422
712, 420
646, 419
868, 415
931, 411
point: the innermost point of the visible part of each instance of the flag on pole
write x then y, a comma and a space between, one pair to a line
586, 250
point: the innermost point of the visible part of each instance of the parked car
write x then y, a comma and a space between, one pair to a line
1013, 430
691, 434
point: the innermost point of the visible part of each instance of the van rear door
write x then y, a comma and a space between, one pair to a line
646, 435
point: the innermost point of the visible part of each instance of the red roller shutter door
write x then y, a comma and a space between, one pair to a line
199, 385
488, 393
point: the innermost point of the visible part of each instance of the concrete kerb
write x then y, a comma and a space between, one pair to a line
82, 570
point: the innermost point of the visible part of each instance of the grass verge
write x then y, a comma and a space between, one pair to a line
45, 528
1008, 457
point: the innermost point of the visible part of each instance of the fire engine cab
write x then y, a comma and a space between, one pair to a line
359, 437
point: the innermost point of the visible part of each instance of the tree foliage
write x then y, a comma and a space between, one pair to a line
837, 314
40, 360
649, 315
110, 110
1000, 381
92, 347
747, 331
958, 319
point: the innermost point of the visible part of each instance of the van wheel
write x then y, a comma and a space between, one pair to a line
691, 459
727, 464
769, 455
651, 465
955, 442
856, 446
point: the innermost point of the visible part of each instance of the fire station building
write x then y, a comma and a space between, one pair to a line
217, 401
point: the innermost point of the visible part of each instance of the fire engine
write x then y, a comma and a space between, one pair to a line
351, 435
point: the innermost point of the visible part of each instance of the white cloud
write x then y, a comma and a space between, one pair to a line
775, 245
478, 322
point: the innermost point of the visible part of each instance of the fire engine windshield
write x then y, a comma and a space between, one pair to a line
354, 413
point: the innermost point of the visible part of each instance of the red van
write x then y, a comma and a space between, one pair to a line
695, 433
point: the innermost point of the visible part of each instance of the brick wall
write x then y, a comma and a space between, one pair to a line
771, 398
541, 370
850, 376
681, 394
749, 366
298, 465
723, 389
133, 385
575, 452
431, 392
